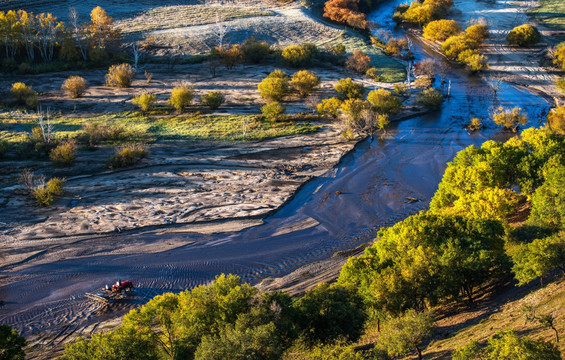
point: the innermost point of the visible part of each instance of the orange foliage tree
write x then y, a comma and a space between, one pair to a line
345, 11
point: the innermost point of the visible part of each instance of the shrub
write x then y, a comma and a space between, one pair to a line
64, 154
477, 32
348, 89
559, 55
275, 86
359, 62
423, 82
75, 86
144, 101
441, 29
431, 98
93, 133
475, 124
426, 67
148, 76
231, 57
400, 89
353, 109
560, 83
419, 14
24, 94
373, 73
305, 82
127, 156
120, 76
273, 111
473, 59
455, 45
181, 97
394, 47
45, 194
329, 107
299, 55
255, 51
213, 99
556, 120
524, 35
384, 102
509, 119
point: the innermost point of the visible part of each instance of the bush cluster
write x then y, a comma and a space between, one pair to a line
213, 99
127, 156
524, 35
305, 82
359, 62
44, 194
120, 76
25, 95
181, 97
64, 153
275, 86
273, 111
144, 101
349, 89
300, 55
440, 30
75, 86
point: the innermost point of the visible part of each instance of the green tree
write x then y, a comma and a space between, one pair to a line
384, 102
305, 82
213, 99
455, 45
559, 55
441, 29
556, 119
11, 344
299, 55
477, 32
240, 342
275, 86
349, 89
431, 98
538, 258
406, 333
524, 35
510, 119
181, 97
328, 312
509, 346
424, 259
329, 107
548, 201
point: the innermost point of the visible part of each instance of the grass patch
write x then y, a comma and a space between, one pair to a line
170, 17
551, 13
15, 127
388, 69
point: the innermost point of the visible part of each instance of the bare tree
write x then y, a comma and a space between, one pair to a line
220, 30
45, 125
136, 54
74, 21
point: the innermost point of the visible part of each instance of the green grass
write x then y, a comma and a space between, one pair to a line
551, 13
389, 69
15, 126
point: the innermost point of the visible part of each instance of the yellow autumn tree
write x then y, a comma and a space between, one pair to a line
101, 28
